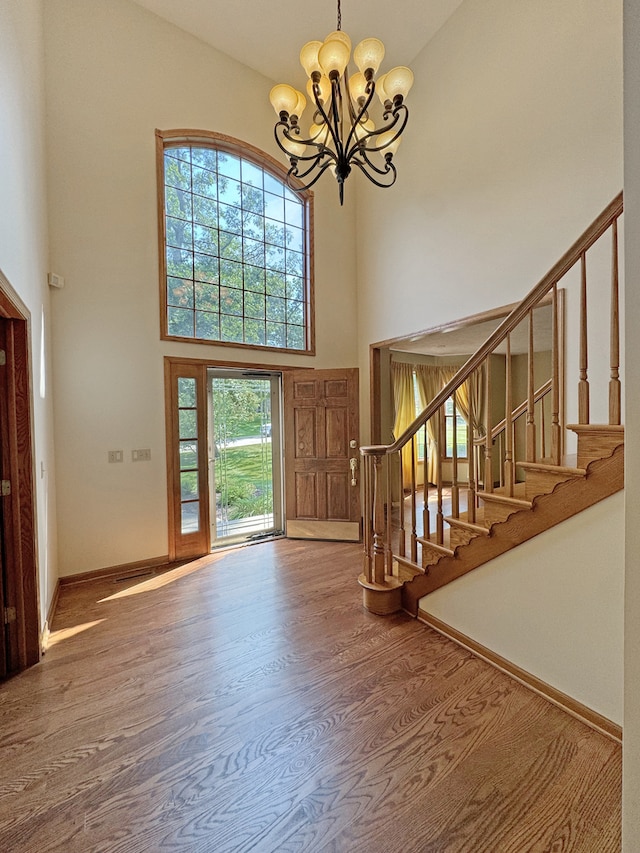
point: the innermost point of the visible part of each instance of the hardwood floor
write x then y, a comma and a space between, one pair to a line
246, 702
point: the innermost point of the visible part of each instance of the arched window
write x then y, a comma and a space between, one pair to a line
236, 265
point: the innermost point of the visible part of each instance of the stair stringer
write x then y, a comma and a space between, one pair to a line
604, 477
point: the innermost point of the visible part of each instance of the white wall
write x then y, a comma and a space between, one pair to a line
631, 746
544, 609
23, 241
514, 145
115, 72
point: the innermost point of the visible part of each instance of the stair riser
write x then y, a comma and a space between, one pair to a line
592, 447
430, 556
458, 536
406, 573
495, 512
596, 441
542, 482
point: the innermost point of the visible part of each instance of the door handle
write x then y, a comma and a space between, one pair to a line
353, 464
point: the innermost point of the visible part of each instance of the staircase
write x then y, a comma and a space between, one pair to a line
410, 551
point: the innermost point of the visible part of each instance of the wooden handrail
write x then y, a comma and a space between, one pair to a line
593, 233
542, 391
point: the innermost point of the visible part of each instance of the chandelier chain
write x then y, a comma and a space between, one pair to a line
339, 16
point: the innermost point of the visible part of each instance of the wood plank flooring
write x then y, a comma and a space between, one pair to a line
246, 702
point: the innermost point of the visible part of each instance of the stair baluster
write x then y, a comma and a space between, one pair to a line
583, 384
471, 457
439, 512
455, 493
531, 421
556, 432
414, 515
426, 521
402, 542
388, 515
378, 523
614, 382
488, 431
509, 472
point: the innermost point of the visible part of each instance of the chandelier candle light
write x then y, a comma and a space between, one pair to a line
342, 133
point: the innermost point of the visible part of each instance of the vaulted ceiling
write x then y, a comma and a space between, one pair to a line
267, 36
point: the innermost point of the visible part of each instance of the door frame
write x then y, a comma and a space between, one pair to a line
379, 352
275, 380
195, 367
19, 518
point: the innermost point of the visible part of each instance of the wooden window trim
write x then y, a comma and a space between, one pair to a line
197, 543
444, 455
237, 147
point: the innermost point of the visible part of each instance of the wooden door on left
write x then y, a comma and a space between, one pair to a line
19, 605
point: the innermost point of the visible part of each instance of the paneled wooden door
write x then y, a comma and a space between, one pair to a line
4, 453
321, 438
19, 611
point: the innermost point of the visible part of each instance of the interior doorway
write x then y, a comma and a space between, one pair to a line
452, 344
19, 611
245, 455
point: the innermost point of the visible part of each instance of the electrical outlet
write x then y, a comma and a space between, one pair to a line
143, 455
115, 456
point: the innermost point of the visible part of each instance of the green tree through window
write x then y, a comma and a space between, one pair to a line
236, 251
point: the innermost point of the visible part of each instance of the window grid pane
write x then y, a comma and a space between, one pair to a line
234, 233
188, 455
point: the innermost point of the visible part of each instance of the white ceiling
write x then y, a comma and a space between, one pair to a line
465, 339
267, 36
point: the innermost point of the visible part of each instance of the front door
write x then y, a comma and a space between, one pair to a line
321, 454
245, 463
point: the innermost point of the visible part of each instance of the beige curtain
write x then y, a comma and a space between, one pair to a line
472, 388
405, 410
432, 378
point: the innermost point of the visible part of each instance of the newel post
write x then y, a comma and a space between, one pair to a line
381, 591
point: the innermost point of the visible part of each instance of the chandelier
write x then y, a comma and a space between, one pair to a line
344, 131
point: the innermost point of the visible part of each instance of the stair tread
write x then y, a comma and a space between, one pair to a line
476, 527
499, 497
555, 469
602, 428
407, 561
441, 549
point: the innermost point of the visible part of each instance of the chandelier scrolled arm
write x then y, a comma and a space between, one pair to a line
293, 172
343, 131
400, 117
367, 167
320, 150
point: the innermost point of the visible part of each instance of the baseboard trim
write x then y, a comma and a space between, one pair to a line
48, 622
556, 697
140, 567
51, 612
